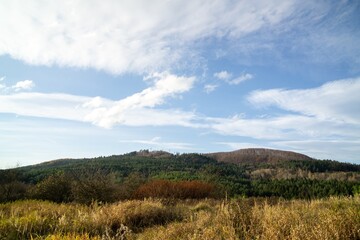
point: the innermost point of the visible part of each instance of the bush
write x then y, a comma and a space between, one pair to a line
90, 186
132, 182
181, 190
11, 186
56, 188
12, 191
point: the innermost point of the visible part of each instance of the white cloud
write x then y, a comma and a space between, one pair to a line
324, 122
208, 88
336, 101
324, 115
228, 77
324, 112
142, 36
19, 86
2, 78
242, 78
135, 110
59, 106
223, 75
23, 85
99, 111
107, 118
329, 111
284, 127
165, 85
122, 36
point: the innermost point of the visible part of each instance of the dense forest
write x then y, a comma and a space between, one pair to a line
143, 174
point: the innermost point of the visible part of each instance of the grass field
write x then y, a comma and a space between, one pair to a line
333, 218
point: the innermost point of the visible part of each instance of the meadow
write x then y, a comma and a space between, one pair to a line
242, 218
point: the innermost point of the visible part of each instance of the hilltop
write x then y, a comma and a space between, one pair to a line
258, 155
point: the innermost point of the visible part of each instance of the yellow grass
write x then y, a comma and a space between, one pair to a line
334, 218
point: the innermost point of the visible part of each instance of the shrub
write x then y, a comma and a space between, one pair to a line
56, 188
89, 186
11, 186
12, 191
181, 190
132, 182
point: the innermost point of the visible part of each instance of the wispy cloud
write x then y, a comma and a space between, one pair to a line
2, 78
135, 110
326, 111
334, 101
228, 77
162, 145
139, 36
323, 149
208, 88
326, 114
284, 127
58, 106
242, 78
322, 122
165, 85
241, 145
24, 85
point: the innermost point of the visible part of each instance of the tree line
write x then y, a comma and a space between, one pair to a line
87, 186
148, 174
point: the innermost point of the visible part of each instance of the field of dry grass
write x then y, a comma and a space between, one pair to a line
334, 218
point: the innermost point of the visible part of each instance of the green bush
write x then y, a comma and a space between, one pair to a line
89, 186
56, 188
12, 191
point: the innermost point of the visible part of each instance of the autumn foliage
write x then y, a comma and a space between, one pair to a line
180, 190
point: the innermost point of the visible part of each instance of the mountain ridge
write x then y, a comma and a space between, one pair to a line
244, 172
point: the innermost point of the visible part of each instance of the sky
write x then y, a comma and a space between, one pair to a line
97, 78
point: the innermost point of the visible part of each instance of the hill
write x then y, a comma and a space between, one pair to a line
258, 155
246, 172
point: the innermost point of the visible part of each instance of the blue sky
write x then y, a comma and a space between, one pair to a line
81, 79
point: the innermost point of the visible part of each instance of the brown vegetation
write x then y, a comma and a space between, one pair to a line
257, 155
179, 190
333, 218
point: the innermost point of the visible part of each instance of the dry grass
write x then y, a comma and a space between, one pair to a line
26, 219
334, 218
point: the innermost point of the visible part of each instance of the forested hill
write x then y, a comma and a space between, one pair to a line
148, 162
249, 172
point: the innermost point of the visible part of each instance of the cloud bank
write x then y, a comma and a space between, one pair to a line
141, 36
127, 36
